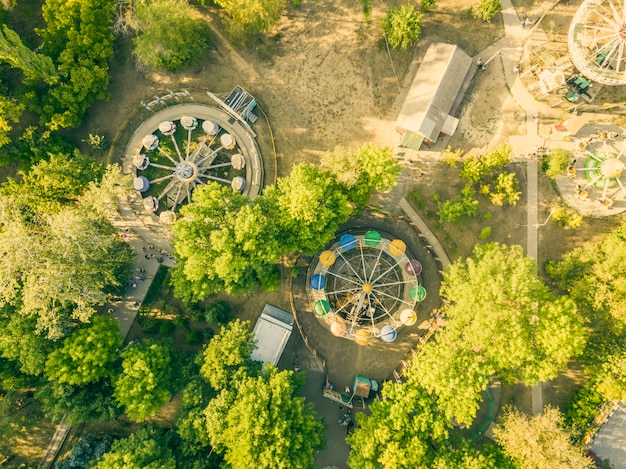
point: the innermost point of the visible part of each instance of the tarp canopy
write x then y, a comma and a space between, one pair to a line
362, 386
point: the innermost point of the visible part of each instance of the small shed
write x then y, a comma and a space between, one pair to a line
436, 90
271, 331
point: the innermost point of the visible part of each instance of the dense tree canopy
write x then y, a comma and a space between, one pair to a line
78, 39
88, 355
145, 449
501, 319
226, 359
15, 53
168, 33
263, 421
144, 384
223, 242
595, 275
362, 170
62, 268
539, 442
10, 111
61, 256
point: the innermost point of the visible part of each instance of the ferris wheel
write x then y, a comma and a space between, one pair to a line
366, 286
597, 41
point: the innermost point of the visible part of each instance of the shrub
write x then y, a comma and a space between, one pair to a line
505, 190
402, 26
565, 216
582, 409
217, 313
464, 205
417, 199
556, 162
485, 232
451, 157
194, 337
428, 4
166, 327
485, 10
150, 326
180, 321
196, 313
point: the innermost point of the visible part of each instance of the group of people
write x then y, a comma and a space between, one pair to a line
346, 420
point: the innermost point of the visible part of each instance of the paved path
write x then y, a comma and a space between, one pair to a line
55, 444
524, 145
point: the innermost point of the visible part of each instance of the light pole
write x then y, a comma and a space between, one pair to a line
537, 225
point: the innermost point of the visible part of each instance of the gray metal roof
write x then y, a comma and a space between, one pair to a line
433, 92
271, 331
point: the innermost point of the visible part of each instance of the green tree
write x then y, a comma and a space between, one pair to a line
252, 16
61, 256
61, 270
78, 404
145, 449
463, 205
168, 34
87, 355
475, 169
505, 190
402, 26
539, 442
20, 342
361, 171
593, 275
610, 379
10, 112
191, 422
263, 421
16, 54
310, 206
53, 183
555, 163
400, 430
78, 38
501, 319
143, 386
223, 242
226, 359
486, 9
